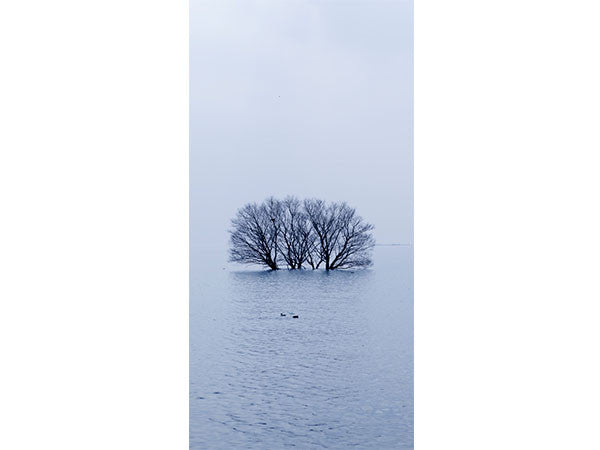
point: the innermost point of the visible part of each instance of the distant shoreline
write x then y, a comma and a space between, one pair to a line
392, 245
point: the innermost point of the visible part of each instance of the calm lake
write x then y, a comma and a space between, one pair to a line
338, 376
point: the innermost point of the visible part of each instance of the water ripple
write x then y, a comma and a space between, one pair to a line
338, 376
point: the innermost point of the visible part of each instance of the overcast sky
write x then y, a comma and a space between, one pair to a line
302, 97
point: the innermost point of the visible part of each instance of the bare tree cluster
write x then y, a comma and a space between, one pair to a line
300, 234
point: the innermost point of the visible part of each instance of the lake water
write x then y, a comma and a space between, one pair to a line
338, 376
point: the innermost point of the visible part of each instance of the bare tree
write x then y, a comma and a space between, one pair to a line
310, 232
353, 242
344, 239
297, 237
254, 234
315, 211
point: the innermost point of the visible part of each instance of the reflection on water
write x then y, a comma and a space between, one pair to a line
339, 375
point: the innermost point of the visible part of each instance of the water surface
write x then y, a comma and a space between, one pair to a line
338, 376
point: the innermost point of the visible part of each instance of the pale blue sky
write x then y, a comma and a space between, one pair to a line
311, 98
